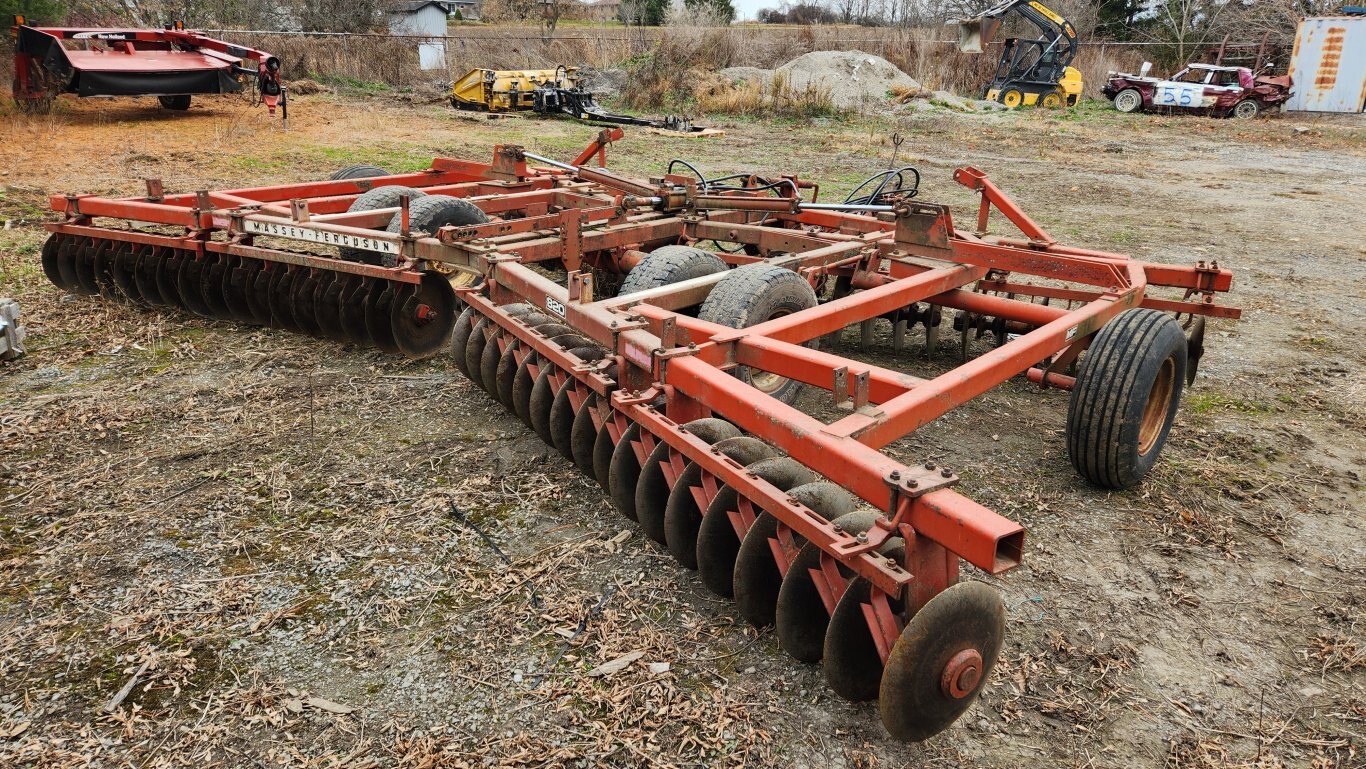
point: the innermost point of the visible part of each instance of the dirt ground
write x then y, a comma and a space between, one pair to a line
268, 540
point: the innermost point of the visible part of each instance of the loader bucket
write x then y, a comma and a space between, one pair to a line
974, 34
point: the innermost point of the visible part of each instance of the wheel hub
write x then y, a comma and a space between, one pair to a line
961, 674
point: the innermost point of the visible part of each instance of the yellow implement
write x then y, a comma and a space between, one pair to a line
549, 92
502, 90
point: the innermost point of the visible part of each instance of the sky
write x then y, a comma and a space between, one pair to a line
747, 9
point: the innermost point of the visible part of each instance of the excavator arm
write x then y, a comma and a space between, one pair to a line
1057, 34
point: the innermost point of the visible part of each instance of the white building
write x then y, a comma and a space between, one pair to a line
423, 19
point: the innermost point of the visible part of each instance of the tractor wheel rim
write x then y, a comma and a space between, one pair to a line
765, 381
1158, 405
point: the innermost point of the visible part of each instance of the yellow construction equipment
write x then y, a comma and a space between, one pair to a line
1030, 72
547, 91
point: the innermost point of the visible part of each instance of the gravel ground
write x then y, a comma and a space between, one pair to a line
227, 546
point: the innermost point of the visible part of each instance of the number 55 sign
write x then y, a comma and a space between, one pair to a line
1179, 95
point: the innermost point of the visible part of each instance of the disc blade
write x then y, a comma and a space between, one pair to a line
506, 375
460, 337
802, 615
583, 434
474, 353
852, 665
542, 398
189, 278
424, 315
378, 315
51, 246
522, 382
281, 287
965, 621
236, 274
682, 516
67, 251
85, 265
301, 301
167, 268
327, 306
123, 269
489, 359
145, 275
718, 542
562, 420
351, 308
623, 468
212, 275
258, 292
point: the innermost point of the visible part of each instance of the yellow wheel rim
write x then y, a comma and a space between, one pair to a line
1012, 98
1051, 101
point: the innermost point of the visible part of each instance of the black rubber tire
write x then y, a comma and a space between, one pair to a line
1115, 428
358, 171
386, 196
428, 213
750, 295
667, 265
179, 102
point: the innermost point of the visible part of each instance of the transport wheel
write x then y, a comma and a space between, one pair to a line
683, 516
1051, 100
1247, 109
358, 171
430, 212
801, 619
1128, 100
941, 660
718, 542
758, 579
667, 265
422, 316
1126, 397
653, 487
753, 294
1011, 97
49, 256
371, 200
179, 102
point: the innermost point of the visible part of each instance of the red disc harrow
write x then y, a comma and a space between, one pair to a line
678, 392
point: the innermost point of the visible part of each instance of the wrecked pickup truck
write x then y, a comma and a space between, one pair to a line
1205, 88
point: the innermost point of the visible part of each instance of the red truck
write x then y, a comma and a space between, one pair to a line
1207, 88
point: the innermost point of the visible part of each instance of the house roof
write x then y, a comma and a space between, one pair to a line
417, 5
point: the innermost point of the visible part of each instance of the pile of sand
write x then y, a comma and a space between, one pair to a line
856, 80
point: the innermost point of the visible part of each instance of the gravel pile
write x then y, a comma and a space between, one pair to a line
856, 80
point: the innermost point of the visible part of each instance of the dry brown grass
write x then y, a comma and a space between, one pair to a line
666, 58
